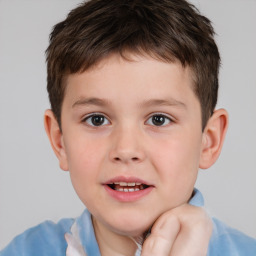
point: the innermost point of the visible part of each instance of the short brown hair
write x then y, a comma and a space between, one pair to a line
167, 30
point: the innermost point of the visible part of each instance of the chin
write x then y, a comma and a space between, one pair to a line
133, 228
127, 221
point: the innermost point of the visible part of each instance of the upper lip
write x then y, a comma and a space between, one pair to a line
128, 180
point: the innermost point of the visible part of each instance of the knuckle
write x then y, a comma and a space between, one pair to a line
166, 221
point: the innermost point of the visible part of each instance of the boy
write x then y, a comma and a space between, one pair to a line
133, 87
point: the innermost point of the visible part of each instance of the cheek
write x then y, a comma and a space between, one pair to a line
177, 167
177, 159
84, 168
82, 152
84, 160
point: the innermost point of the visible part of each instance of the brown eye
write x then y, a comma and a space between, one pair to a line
159, 120
96, 120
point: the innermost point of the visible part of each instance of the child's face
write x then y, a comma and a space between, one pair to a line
133, 122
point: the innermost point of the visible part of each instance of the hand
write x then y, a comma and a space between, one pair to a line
182, 231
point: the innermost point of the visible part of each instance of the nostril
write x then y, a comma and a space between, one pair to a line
118, 159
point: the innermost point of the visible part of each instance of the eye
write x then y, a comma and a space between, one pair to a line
96, 120
159, 120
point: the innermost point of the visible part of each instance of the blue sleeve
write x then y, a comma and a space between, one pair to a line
46, 239
226, 241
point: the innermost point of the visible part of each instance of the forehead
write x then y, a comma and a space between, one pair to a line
137, 75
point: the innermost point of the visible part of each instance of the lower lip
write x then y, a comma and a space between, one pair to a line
128, 196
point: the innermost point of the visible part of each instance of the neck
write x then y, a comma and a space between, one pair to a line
111, 243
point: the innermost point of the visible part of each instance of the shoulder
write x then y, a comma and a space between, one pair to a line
226, 241
46, 238
229, 241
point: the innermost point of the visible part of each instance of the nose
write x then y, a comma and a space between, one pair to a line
127, 146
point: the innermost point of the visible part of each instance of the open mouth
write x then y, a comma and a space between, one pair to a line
127, 186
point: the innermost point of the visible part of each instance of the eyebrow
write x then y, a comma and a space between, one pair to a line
91, 101
147, 103
163, 102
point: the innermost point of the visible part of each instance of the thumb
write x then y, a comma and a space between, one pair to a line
162, 237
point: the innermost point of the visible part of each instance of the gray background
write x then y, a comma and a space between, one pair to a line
32, 187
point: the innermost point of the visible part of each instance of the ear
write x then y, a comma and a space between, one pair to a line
213, 138
56, 138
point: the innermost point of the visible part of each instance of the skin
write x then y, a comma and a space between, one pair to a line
128, 95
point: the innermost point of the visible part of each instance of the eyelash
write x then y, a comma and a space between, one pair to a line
164, 116
88, 119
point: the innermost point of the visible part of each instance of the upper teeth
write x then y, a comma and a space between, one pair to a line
125, 184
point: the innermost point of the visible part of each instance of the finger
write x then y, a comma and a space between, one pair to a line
162, 237
194, 236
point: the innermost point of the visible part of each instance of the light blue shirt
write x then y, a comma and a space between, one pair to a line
48, 238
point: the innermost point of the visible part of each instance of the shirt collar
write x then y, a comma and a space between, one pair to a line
197, 198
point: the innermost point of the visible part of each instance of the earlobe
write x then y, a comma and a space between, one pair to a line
213, 138
56, 138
